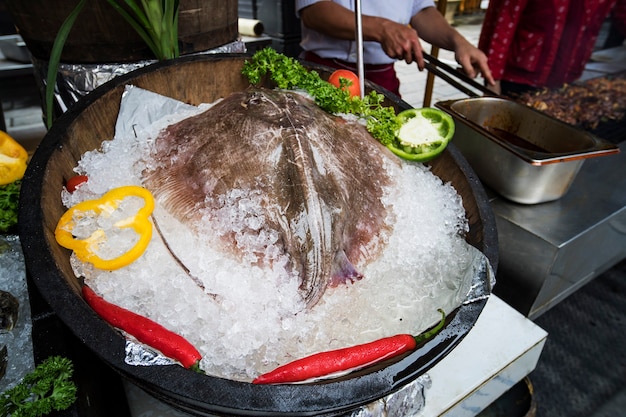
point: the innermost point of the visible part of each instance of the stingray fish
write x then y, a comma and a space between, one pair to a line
321, 179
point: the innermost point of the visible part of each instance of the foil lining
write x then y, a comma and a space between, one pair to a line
141, 355
74, 81
480, 272
407, 402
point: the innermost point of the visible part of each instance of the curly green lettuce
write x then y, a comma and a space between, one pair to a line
288, 73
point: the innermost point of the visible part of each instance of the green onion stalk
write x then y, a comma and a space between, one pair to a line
156, 22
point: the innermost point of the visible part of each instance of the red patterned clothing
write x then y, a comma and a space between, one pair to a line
541, 43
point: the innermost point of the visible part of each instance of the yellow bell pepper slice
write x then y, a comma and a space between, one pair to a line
13, 158
87, 248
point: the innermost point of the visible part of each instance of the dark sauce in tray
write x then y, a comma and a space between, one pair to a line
513, 139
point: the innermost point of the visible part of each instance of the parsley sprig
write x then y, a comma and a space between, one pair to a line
288, 73
9, 199
47, 388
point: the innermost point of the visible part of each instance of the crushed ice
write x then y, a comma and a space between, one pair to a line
257, 320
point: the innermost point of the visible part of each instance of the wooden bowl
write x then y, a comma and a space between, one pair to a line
196, 80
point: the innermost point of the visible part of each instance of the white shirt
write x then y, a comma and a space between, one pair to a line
400, 11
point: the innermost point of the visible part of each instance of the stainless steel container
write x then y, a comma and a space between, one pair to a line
521, 153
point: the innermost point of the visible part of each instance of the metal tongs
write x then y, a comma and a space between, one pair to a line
446, 73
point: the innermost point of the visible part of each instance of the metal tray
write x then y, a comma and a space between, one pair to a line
523, 154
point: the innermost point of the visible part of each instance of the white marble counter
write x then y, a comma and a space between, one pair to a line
501, 349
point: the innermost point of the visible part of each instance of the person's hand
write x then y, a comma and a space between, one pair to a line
397, 40
434, 29
473, 61
400, 42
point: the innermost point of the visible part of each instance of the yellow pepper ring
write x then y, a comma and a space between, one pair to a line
85, 249
13, 158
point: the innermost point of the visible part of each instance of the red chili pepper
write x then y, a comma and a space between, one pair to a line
145, 330
76, 181
341, 361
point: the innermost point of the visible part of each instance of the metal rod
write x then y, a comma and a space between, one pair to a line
359, 46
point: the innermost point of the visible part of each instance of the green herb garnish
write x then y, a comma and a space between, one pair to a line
288, 73
9, 198
47, 388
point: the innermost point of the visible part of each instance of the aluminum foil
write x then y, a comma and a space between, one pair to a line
74, 81
406, 402
141, 355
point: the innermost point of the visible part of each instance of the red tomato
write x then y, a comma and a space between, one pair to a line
354, 89
76, 181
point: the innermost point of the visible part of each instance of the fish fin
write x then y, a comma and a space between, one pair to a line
343, 271
175, 195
